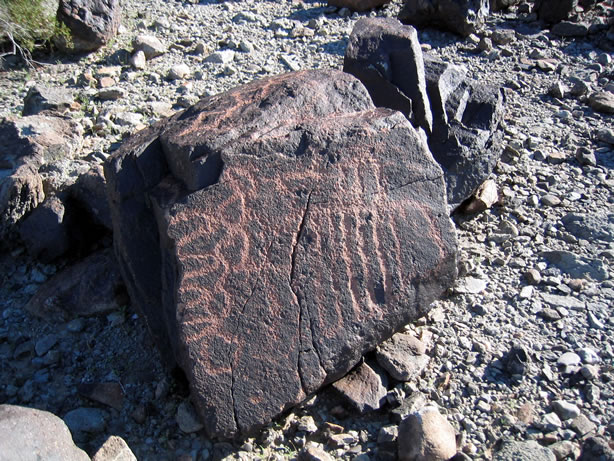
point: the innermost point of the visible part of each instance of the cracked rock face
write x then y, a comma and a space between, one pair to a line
92, 23
460, 117
273, 234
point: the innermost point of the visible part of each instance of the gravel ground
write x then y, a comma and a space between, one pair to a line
524, 327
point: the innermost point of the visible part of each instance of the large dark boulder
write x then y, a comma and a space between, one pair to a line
463, 17
553, 11
466, 139
92, 23
386, 57
460, 117
275, 233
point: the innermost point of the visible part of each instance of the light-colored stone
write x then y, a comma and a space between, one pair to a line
27, 434
426, 436
150, 45
523, 451
114, 449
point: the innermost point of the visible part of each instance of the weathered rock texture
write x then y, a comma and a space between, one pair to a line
26, 144
28, 434
462, 17
92, 23
466, 139
386, 57
92, 286
275, 233
460, 117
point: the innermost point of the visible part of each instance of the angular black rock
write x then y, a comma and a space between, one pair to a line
460, 117
275, 233
386, 57
554, 10
92, 23
463, 17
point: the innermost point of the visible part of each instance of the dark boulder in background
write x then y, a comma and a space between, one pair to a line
275, 233
462, 17
92, 23
460, 117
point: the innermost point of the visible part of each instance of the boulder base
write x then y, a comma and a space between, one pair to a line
275, 233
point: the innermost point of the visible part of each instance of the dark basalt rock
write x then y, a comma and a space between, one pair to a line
553, 11
92, 23
460, 117
45, 231
90, 287
498, 5
275, 233
463, 17
386, 57
469, 145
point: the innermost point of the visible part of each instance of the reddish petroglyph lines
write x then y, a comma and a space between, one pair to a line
432, 232
349, 223
391, 269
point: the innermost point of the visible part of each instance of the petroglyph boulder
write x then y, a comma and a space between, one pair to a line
275, 233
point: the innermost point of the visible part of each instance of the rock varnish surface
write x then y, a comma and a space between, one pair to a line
274, 233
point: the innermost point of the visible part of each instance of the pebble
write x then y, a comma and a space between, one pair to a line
565, 410
150, 45
221, 57
85, 419
582, 425
426, 436
179, 71
187, 419
45, 344
138, 60
569, 362
550, 200
588, 356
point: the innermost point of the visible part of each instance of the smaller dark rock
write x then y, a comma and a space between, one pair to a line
110, 394
553, 11
363, 388
498, 5
45, 230
602, 101
517, 361
596, 449
91, 286
86, 420
570, 29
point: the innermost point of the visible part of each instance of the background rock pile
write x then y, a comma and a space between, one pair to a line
518, 357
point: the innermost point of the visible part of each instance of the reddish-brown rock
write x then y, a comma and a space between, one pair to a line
275, 233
